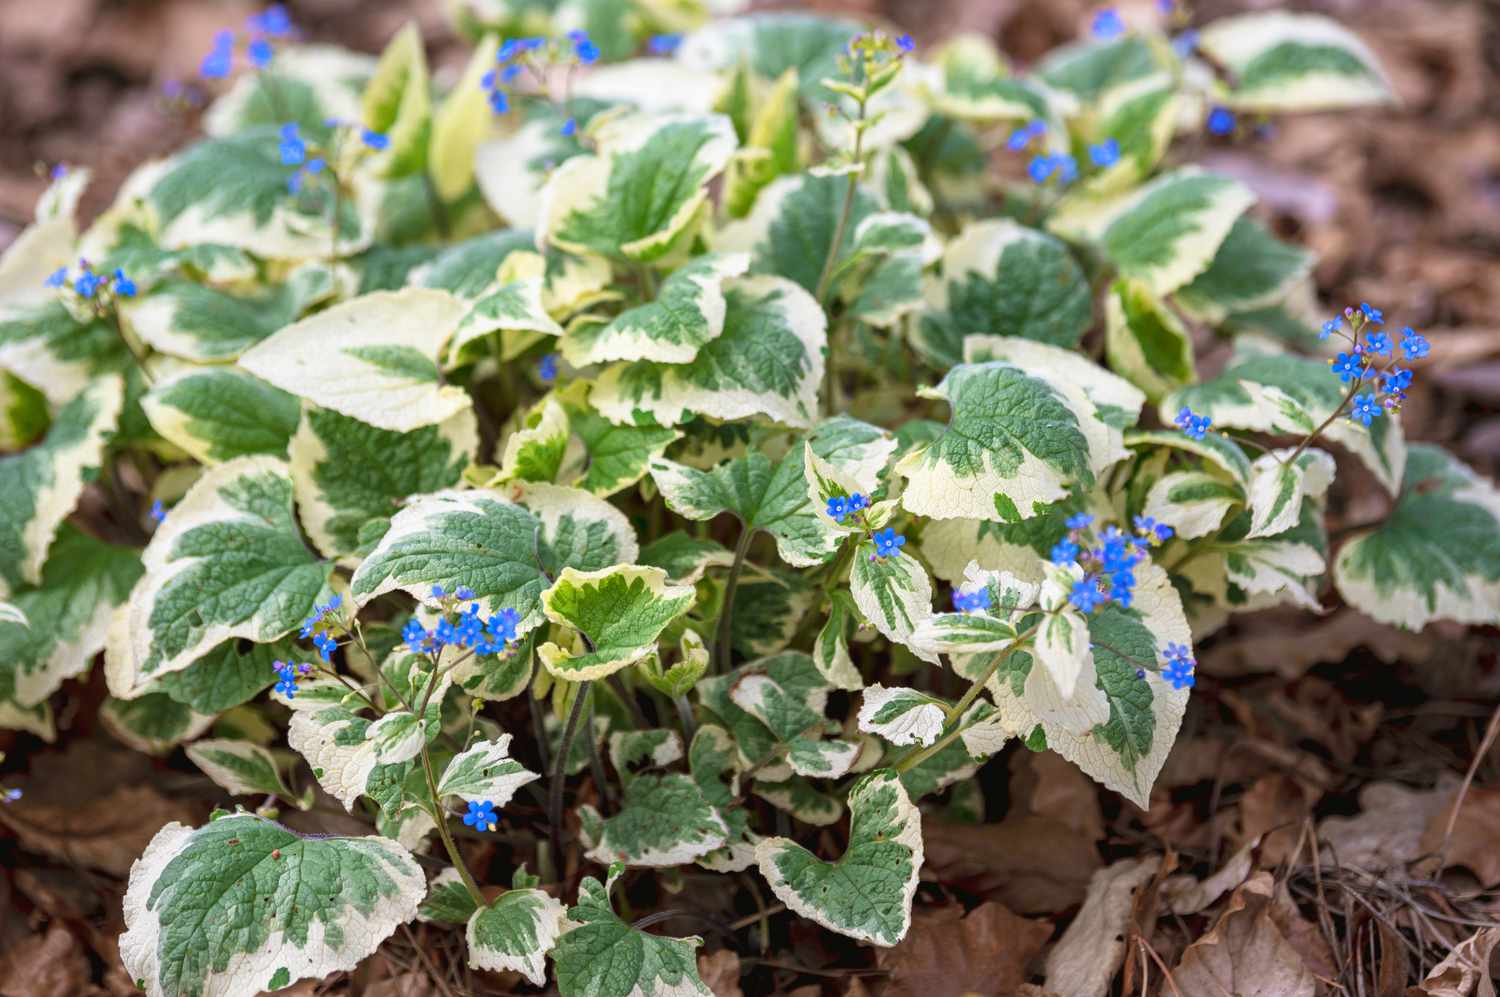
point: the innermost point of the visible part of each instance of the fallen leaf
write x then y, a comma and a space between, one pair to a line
1084, 961
51, 965
1475, 843
1032, 865
1465, 973
720, 972
1387, 833
1188, 895
1272, 810
985, 952
1245, 954
1054, 787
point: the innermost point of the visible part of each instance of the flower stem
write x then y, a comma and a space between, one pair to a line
1337, 411
830, 366
726, 613
435, 802
559, 773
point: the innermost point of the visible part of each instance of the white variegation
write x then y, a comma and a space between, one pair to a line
1236, 43
1193, 503
542, 918
240, 768
902, 716
1277, 488
485, 771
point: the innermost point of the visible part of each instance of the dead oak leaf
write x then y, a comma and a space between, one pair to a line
1032, 865
1084, 961
946, 954
1245, 954
1465, 973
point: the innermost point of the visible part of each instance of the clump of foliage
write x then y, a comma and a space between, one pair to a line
604, 426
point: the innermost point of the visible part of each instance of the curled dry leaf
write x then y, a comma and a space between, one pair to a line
1245, 954
1084, 961
51, 964
1054, 787
720, 972
1465, 973
1033, 865
1475, 842
1387, 833
985, 952
1188, 895
1273, 810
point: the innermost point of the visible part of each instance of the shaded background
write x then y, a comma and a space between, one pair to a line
1301, 715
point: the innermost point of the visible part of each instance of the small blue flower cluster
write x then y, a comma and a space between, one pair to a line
1221, 120
1194, 425
1180, 664
1021, 137
318, 625
92, 285
1105, 154
158, 512
293, 150
287, 675
974, 601
1374, 360
1045, 166
546, 368
517, 54
482, 816
271, 23
664, 44
887, 542
463, 629
841, 506
1108, 559
1107, 24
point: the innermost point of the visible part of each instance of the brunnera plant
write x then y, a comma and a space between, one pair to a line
623, 408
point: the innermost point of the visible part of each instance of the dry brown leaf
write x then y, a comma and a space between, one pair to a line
1303, 935
1054, 787
1387, 833
107, 832
1033, 865
1188, 895
1465, 973
946, 955
1084, 961
1273, 809
1475, 843
720, 972
47, 965
1245, 954
412, 984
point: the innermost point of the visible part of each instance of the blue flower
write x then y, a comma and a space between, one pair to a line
220, 59
377, 141
1107, 24
584, 48
1221, 121
1185, 44
499, 101
906, 43
1040, 168
838, 508
569, 127
664, 44
1067, 168
57, 278
508, 50
286, 678
1064, 552
415, 635
158, 512
1397, 381
1155, 532
1329, 328
1365, 408
273, 21
1043, 167
1193, 425
1021, 137
1378, 343
1079, 521
1371, 313
260, 53
1414, 344
857, 502
502, 626
325, 644
437, 592
464, 593
1180, 664
1086, 595
87, 283
1106, 153
888, 543
59, 170
482, 816
509, 73
292, 149
124, 286
971, 602
1348, 366
546, 368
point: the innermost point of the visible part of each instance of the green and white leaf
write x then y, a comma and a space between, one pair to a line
618, 456
535, 451
228, 562
39, 487
1252, 269
1116, 401
1169, 231
974, 84
52, 631
664, 821
685, 558
460, 124
578, 529
448, 900
768, 361
1277, 489
350, 477
818, 759
688, 311
867, 893
902, 716
243, 905
308, 84
1215, 448
36, 720
485, 771
600, 955
514, 933
240, 768
620, 611
1003, 279
1435, 556
1193, 503
1281, 61
636, 196
831, 648
397, 103
208, 324
219, 413
384, 347
152, 724
1145, 341
336, 743
895, 595
508, 305
1016, 442
631, 751
801, 800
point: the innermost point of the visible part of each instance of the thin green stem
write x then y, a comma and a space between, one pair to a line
559, 773
685, 717
1338, 410
726, 613
435, 206
830, 263
435, 802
